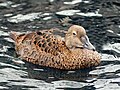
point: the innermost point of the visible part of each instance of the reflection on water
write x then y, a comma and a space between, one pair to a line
102, 23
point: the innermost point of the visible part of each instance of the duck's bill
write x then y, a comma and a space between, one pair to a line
86, 43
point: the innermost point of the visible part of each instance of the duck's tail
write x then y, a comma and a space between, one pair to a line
13, 35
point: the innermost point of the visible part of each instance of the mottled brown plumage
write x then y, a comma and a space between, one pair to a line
46, 49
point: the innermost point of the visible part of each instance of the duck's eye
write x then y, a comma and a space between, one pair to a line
74, 33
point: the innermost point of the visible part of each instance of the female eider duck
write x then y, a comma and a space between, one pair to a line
46, 49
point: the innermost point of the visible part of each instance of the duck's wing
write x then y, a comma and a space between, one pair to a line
36, 46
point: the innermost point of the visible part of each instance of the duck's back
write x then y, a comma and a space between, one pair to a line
40, 47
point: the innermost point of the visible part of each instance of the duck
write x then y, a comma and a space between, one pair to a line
44, 48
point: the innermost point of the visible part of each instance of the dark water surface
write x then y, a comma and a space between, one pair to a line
101, 19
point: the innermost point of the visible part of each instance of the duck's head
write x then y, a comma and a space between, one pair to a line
76, 38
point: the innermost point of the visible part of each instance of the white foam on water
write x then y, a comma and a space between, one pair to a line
16, 5
5, 64
12, 59
69, 84
51, 0
51, 77
38, 84
86, 1
73, 2
6, 4
69, 72
38, 69
119, 26
115, 47
2, 33
2, 88
4, 48
105, 69
33, 27
68, 12
90, 14
30, 16
118, 74
110, 31
18, 61
11, 74
107, 57
47, 18
5, 55
4, 27
7, 15
45, 14
20, 17
14, 77
100, 83
116, 80
110, 86
8, 39
91, 80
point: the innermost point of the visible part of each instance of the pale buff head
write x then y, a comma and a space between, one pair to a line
76, 38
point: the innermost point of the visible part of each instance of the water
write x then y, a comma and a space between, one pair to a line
101, 21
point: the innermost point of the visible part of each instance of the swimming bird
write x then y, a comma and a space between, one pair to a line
44, 48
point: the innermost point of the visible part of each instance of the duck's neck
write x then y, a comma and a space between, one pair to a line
68, 41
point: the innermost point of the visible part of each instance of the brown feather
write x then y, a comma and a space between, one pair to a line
46, 49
